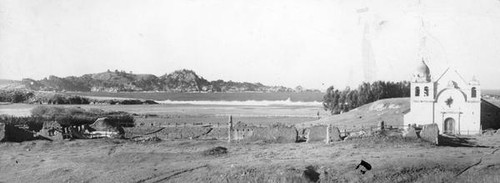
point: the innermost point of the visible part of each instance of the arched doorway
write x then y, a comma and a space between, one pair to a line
449, 126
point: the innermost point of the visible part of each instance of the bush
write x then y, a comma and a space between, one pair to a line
33, 123
79, 116
15, 96
216, 151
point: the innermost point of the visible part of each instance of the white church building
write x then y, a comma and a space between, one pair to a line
450, 101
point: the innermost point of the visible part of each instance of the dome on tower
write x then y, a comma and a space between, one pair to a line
474, 81
423, 69
423, 73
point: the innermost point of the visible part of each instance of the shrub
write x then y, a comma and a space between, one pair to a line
15, 96
33, 123
80, 116
216, 151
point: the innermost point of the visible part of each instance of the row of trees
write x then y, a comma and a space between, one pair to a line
337, 101
15, 96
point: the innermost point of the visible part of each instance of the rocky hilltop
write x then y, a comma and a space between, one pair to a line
121, 81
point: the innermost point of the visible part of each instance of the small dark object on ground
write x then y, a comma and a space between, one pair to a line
216, 151
364, 164
311, 174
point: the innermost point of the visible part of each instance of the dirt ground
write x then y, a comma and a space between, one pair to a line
467, 159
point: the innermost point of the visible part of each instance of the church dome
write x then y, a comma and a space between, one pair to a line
423, 73
423, 69
474, 81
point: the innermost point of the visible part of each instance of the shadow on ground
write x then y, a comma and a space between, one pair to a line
456, 141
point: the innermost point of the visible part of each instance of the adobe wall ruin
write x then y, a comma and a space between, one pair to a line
241, 132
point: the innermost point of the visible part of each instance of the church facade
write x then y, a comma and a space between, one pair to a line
449, 101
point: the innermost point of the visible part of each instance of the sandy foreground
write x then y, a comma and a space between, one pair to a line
106, 160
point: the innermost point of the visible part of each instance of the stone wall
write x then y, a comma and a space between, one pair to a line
333, 134
430, 133
275, 133
316, 134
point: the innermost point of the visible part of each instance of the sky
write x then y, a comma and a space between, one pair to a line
312, 43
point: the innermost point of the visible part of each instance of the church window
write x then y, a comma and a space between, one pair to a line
417, 91
473, 92
426, 91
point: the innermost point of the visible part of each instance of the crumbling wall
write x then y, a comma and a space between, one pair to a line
430, 133
274, 133
410, 132
51, 130
280, 134
333, 134
185, 132
216, 133
316, 133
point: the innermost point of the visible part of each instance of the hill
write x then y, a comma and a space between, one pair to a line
6, 84
119, 81
390, 111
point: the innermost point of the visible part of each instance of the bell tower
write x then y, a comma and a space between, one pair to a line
422, 95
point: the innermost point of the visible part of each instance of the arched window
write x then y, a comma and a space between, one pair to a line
473, 92
417, 91
426, 91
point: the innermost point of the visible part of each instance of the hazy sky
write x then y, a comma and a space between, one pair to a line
276, 42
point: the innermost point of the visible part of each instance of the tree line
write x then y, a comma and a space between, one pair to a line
339, 101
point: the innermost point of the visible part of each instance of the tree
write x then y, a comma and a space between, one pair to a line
342, 101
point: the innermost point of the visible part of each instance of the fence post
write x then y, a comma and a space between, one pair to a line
229, 128
381, 125
327, 140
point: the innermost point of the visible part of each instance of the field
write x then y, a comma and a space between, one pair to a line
186, 161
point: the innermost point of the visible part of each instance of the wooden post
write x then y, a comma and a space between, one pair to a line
381, 125
229, 128
327, 140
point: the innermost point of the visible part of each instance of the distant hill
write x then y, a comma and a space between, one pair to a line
6, 84
120, 81
391, 111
